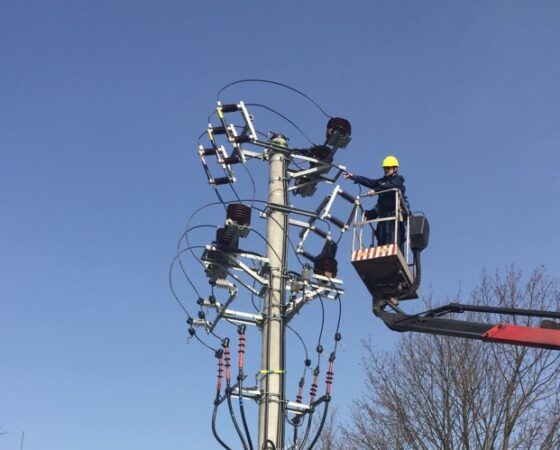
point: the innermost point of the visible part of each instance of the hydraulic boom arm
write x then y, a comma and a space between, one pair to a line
547, 335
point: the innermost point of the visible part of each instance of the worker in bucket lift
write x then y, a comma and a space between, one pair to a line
385, 206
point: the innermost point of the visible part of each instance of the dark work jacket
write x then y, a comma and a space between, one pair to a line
385, 201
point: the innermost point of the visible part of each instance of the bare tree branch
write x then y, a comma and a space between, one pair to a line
446, 393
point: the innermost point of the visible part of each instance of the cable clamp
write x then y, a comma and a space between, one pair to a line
272, 371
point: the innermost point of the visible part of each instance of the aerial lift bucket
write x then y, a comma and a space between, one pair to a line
386, 271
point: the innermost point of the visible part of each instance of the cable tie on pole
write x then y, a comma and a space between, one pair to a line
272, 372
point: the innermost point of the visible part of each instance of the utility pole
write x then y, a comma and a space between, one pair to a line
272, 399
267, 276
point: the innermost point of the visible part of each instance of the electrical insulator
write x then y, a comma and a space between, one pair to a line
348, 197
219, 130
244, 138
327, 267
305, 273
239, 214
231, 160
221, 180
229, 108
226, 238
309, 256
208, 151
339, 124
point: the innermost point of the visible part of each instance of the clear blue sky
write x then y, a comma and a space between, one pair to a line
100, 106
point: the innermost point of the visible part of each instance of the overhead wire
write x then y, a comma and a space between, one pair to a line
178, 258
321, 425
276, 83
184, 271
189, 316
279, 114
295, 423
301, 340
214, 430
319, 350
327, 397
319, 346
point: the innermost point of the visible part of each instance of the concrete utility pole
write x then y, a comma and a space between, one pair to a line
272, 400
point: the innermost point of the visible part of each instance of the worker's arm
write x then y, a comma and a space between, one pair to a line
367, 182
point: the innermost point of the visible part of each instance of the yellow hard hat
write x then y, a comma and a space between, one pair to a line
390, 161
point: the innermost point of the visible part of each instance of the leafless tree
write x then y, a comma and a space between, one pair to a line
447, 393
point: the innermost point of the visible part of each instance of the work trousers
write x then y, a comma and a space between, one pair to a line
385, 233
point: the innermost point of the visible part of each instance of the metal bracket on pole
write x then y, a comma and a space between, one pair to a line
328, 289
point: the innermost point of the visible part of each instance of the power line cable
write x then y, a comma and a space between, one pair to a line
260, 80
272, 110
214, 430
193, 334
